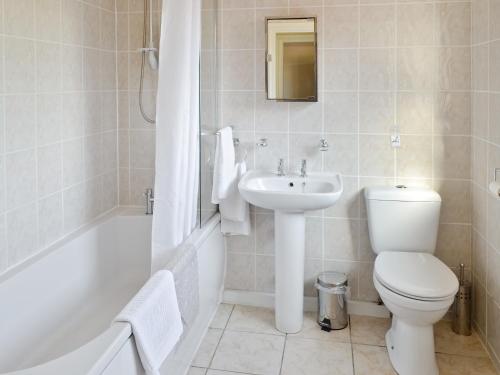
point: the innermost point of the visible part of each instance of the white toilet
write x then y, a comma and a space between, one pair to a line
415, 286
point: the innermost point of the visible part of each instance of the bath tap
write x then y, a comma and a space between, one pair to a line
303, 168
150, 200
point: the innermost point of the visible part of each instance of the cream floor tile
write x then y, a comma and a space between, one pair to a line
449, 342
311, 330
246, 352
369, 330
308, 357
197, 371
460, 365
371, 360
222, 316
217, 372
252, 319
207, 348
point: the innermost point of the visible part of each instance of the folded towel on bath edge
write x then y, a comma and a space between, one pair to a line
156, 321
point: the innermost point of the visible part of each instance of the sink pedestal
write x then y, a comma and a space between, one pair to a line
289, 235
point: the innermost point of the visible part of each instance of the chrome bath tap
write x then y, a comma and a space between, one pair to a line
150, 200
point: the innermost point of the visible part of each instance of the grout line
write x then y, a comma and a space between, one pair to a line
35, 117
283, 353
117, 112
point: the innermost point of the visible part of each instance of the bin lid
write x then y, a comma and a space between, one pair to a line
332, 279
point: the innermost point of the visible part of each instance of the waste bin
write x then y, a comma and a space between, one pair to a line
332, 307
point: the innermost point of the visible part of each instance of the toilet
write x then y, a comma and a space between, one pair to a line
416, 287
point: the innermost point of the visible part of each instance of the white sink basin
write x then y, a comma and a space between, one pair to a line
291, 193
290, 197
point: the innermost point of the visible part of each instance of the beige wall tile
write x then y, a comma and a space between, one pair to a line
378, 26
341, 69
416, 68
376, 157
239, 29
48, 20
495, 66
415, 24
480, 28
453, 24
453, 113
376, 112
343, 26
450, 163
341, 112
376, 70
20, 67
238, 70
19, 17
414, 158
454, 66
415, 112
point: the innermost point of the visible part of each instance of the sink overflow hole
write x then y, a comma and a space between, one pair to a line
290, 184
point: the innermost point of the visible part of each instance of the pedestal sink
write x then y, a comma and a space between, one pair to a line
290, 197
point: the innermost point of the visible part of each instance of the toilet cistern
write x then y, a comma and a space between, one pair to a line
290, 197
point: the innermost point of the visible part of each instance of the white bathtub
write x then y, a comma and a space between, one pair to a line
56, 310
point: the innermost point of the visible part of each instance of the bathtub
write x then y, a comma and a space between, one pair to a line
56, 310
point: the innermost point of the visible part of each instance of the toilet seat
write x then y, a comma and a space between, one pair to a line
419, 276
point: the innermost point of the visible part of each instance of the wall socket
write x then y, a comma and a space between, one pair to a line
395, 141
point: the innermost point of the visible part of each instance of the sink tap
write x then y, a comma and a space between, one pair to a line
281, 167
303, 168
149, 201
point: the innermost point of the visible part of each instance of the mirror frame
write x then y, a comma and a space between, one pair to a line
315, 97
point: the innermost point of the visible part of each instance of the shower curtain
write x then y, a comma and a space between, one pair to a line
177, 127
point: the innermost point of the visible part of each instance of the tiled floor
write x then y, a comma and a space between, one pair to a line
243, 340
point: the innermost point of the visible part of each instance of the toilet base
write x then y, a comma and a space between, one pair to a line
411, 348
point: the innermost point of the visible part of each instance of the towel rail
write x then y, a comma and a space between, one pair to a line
236, 141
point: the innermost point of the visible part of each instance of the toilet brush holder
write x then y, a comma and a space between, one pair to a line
462, 314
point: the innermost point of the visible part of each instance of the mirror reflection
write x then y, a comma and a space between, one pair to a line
291, 59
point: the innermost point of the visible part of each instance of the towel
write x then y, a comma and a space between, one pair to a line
156, 321
235, 211
224, 167
495, 189
184, 267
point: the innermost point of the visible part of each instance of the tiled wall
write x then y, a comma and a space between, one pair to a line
486, 157
58, 148
381, 62
136, 136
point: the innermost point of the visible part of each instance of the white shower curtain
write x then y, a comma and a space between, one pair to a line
177, 126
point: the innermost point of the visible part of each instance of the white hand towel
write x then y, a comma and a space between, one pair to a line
235, 211
495, 188
156, 321
234, 207
224, 169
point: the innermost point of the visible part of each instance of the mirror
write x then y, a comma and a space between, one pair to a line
291, 59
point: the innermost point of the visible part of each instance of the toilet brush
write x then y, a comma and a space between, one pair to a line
462, 309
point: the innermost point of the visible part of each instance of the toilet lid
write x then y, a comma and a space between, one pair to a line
415, 275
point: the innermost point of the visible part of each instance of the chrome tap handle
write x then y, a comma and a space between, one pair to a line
281, 167
303, 168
